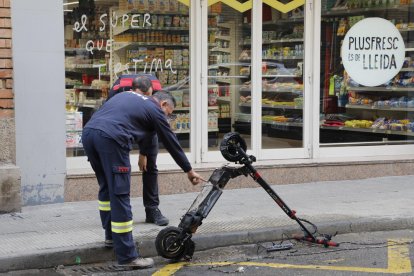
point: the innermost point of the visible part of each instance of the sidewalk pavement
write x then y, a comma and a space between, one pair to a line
59, 234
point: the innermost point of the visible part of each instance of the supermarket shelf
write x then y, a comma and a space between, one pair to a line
188, 131
224, 99
281, 76
280, 22
218, 66
232, 77
284, 124
272, 123
407, 70
274, 41
273, 106
74, 49
406, 30
83, 66
363, 10
119, 13
382, 89
371, 130
409, 49
121, 45
226, 81
222, 37
187, 108
95, 106
148, 67
120, 30
85, 87
405, 109
275, 59
274, 91
223, 50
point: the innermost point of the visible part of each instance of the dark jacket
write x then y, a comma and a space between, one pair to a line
132, 118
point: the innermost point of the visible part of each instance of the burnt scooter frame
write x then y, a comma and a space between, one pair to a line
175, 242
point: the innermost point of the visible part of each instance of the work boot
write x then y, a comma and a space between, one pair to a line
153, 215
139, 263
109, 243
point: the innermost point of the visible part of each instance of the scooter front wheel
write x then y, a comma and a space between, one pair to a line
170, 247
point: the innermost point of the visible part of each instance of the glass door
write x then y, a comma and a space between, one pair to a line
254, 72
227, 73
285, 65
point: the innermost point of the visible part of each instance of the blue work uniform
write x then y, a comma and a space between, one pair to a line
107, 139
148, 147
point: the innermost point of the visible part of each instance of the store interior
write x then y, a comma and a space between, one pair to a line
105, 38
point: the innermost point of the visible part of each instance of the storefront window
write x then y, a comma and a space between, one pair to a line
353, 112
282, 77
229, 64
108, 38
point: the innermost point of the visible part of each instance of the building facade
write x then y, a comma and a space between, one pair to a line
10, 198
275, 71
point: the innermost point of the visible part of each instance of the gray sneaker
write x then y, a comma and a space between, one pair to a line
139, 263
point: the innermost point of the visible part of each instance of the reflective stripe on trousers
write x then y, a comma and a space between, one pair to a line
104, 205
121, 227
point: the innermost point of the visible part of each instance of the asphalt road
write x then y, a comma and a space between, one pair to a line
376, 253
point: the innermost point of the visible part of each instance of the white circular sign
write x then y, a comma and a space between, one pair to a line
373, 51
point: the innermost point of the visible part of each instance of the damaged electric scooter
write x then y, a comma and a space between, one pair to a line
175, 242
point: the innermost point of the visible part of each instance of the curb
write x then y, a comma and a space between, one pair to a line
94, 253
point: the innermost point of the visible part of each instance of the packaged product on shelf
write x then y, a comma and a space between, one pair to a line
159, 53
172, 78
173, 5
186, 99
182, 74
78, 119
142, 5
188, 121
178, 96
212, 120
70, 95
212, 95
71, 139
163, 77
151, 5
175, 21
164, 5
78, 139
182, 8
185, 121
168, 53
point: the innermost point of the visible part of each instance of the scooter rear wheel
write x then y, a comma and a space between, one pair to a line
167, 244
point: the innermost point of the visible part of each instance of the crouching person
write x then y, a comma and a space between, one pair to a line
107, 138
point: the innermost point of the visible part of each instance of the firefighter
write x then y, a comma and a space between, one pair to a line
147, 161
107, 138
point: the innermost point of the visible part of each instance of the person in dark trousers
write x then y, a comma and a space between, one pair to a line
107, 138
147, 161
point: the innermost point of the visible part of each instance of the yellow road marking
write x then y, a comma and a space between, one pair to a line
399, 256
169, 269
398, 263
